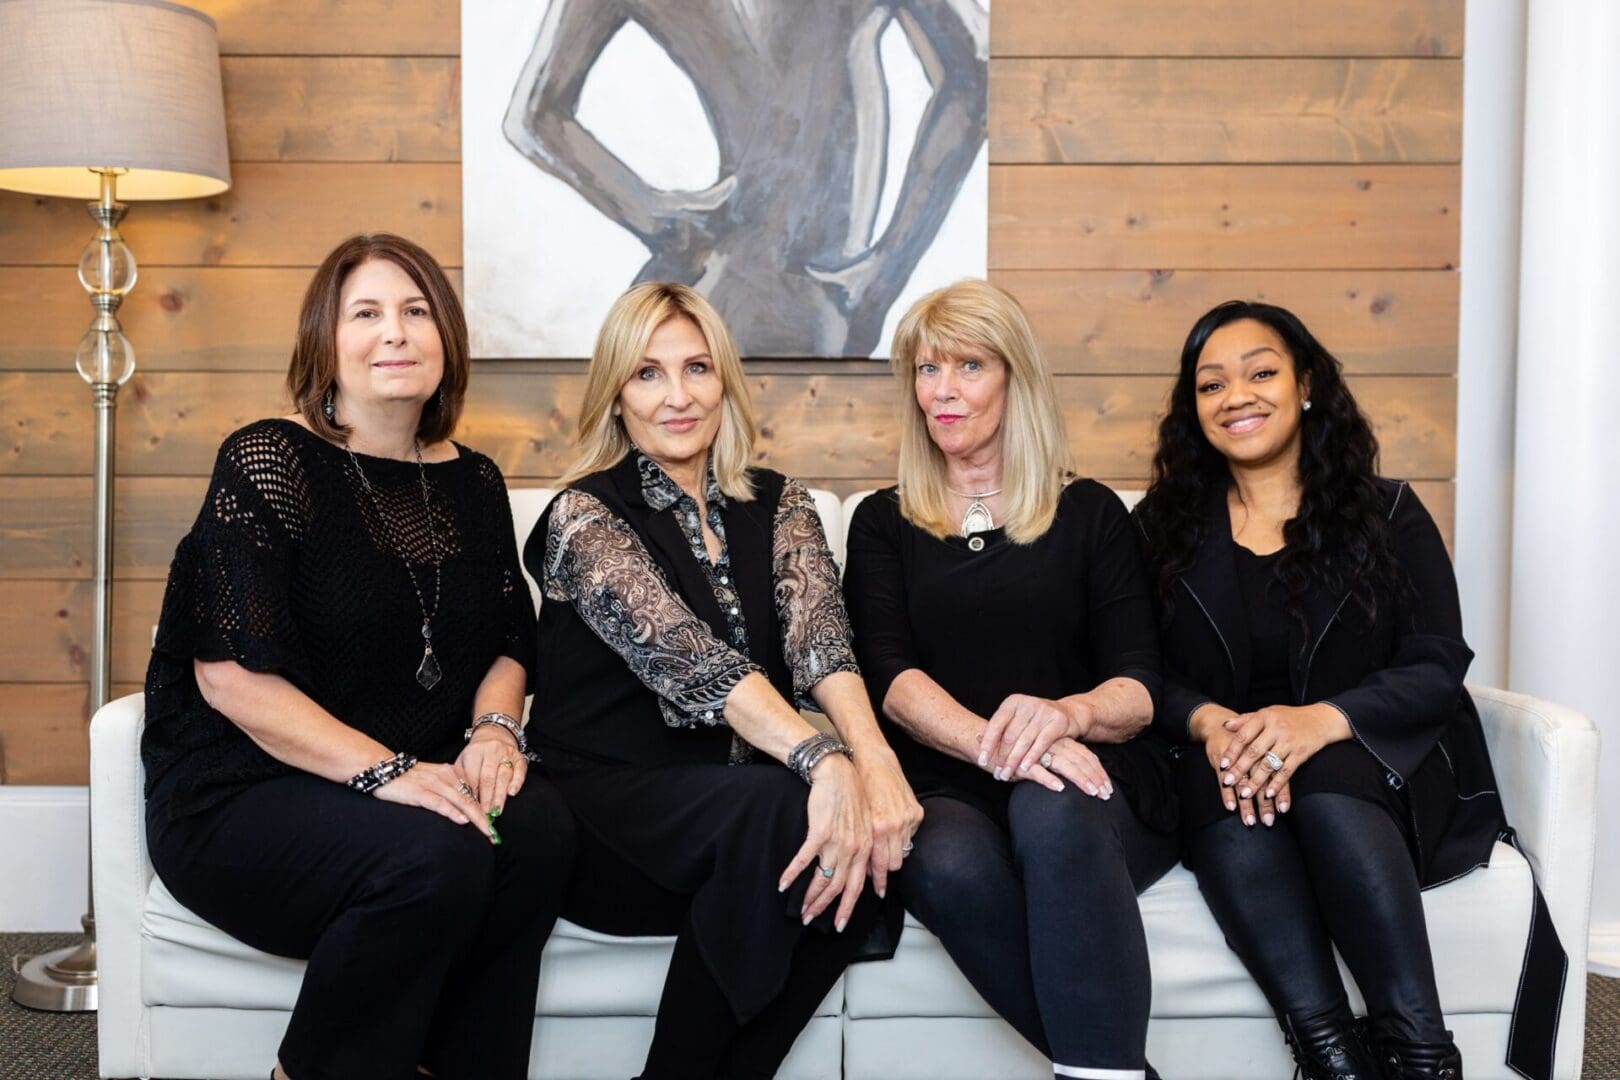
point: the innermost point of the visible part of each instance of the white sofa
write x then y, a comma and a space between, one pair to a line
182, 999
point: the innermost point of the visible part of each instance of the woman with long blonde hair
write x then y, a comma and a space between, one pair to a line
1003, 619
690, 603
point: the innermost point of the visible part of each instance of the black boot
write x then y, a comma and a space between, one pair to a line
1330, 1046
1405, 1060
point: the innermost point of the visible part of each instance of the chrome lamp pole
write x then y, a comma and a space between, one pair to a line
98, 92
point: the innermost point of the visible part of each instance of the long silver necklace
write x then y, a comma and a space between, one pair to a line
977, 518
428, 674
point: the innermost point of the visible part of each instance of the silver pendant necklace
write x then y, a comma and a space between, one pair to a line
977, 517
428, 672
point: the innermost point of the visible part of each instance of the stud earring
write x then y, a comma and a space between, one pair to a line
329, 408
1307, 406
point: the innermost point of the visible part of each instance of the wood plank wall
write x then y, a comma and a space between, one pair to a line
1149, 158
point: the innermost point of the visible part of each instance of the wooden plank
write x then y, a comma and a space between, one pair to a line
1388, 322
339, 27
46, 528
179, 318
1227, 28
44, 731
274, 215
1294, 217
48, 625
342, 108
1209, 111
810, 425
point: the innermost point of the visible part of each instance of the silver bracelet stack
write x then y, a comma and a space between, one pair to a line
368, 780
808, 754
503, 720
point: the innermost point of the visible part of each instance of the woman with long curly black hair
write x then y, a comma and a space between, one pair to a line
1313, 648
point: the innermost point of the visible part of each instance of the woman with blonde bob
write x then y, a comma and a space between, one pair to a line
1003, 619
691, 603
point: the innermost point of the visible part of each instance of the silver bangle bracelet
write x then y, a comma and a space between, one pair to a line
804, 757
502, 720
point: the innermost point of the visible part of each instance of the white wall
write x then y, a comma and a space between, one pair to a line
44, 850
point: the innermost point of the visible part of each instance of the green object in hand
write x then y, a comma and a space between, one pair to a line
494, 812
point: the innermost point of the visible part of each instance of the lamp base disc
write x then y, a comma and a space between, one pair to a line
50, 983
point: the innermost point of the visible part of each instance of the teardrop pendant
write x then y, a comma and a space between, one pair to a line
429, 674
977, 519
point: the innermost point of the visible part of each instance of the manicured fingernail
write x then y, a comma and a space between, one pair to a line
1225, 762
1245, 791
495, 811
1057, 785
807, 919
1231, 806
781, 886
984, 759
1249, 819
1108, 793
841, 924
1091, 789
1283, 807
1228, 779
1270, 794
1268, 819
881, 892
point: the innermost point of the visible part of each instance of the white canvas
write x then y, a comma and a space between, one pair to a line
822, 106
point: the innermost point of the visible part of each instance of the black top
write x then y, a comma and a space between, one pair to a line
1050, 618
1267, 620
642, 637
291, 568
1397, 679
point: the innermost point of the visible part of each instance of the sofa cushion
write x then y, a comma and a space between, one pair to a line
1477, 926
187, 962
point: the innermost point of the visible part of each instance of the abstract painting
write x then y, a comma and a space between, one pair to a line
811, 168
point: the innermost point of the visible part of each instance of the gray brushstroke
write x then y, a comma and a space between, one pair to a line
794, 92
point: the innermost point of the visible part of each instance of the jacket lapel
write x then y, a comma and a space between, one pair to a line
1211, 581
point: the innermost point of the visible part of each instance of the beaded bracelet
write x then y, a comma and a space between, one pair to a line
368, 780
502, 720
808, 754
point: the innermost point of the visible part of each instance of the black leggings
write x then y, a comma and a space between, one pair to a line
1335, 870
423, 939
1040, 914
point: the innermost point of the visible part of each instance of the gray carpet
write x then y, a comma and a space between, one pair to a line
60, 1046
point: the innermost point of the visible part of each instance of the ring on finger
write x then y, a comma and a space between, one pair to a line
907, 847
506, 763
1046, 760
465, 788
826, 871
1273, 761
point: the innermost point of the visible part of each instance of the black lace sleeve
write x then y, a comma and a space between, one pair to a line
816, 638
597, 563
228, 591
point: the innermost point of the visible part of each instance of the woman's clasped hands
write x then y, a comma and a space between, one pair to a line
1035, 738
1255, 755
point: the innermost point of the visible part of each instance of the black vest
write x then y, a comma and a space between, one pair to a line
586, 699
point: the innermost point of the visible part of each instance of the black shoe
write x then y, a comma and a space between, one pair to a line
1330, 1047
1404, 1060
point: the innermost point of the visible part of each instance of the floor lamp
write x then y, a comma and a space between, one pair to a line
105, 99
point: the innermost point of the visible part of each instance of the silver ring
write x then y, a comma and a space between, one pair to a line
1046, 760
907, 847
1273, 762
462, 786
828, 872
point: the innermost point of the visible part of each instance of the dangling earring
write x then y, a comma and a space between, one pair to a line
329, 408
1307, 406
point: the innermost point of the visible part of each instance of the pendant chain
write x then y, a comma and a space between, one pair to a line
428, 674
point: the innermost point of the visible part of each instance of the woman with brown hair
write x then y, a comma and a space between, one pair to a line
333, 699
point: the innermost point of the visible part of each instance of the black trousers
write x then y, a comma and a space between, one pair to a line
1039, 911
423, 939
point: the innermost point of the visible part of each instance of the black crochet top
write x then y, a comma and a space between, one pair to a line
292, 568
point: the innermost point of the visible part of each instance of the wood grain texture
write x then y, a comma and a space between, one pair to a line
45, 732
337, 27
1386, 322
1294, 217
342, 108
811, 425
1174, 110
1227, 28
179, 318
46, 530
275, 214
48, 625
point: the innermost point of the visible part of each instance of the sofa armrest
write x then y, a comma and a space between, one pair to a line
1545, 757
120, 874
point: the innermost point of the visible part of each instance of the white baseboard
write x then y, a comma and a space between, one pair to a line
44, 857
1603, 950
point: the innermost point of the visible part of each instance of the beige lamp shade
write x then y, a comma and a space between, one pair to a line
110, 84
